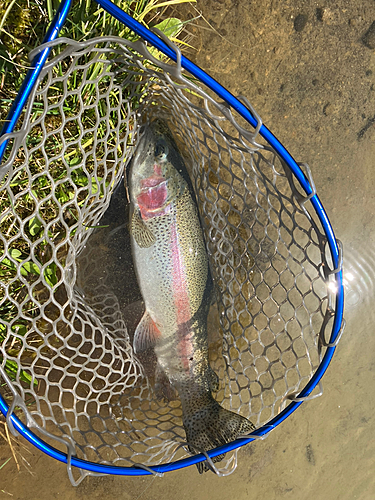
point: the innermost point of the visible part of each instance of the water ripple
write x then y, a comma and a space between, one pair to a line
358, 277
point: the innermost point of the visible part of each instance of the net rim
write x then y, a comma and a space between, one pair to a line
296, 170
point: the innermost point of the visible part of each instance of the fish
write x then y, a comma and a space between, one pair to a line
172, 268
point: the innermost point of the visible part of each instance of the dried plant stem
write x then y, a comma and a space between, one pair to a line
11, 447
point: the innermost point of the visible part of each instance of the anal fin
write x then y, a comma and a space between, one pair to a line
146, 333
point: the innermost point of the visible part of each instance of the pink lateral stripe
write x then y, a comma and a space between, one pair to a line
181, 297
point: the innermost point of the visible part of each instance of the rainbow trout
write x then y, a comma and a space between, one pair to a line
173, 274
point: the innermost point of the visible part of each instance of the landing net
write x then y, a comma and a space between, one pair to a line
69, 297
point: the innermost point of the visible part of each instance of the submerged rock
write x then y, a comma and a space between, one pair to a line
300, 22
368, 38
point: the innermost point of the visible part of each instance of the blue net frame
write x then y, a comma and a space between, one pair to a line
305, 182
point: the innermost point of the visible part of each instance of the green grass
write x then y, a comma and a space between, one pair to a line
23, 25
33, 277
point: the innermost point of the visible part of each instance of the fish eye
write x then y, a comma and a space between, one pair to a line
161, 151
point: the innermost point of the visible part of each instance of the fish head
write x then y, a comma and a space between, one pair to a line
155, 180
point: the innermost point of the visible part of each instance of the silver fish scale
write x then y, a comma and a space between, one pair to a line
67, 323
155, 263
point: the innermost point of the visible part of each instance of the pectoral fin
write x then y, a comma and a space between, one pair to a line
143, 236
146, 334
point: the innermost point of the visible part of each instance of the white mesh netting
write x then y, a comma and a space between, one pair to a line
69, 298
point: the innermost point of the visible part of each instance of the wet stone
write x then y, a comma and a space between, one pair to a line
319, 14
368, 38
354, 22
327, 109
300, 22
327, 16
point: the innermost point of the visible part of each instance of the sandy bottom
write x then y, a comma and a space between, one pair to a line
307, 71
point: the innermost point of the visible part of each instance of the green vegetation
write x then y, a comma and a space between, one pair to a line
23, 25
43, 206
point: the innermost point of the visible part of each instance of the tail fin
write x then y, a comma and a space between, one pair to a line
213, 426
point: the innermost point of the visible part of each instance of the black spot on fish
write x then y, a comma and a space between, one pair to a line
310, 454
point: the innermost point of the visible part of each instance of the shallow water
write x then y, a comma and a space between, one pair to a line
313, 85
